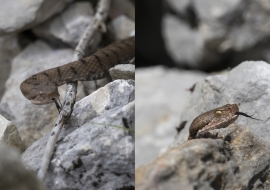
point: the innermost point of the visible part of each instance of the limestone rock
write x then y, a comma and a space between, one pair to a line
33, 121
206, 34
241, 162
123, 71
156, 116
96, 149
9, 48
123, 27
240, 158
10, 134
245, 85
13, 175
68, 26
20, 15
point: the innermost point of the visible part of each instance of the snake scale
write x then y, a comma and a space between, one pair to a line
41, 88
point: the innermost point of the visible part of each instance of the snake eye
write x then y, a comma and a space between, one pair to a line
42, 94
218, 113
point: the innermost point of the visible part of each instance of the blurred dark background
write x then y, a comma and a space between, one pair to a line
205, 35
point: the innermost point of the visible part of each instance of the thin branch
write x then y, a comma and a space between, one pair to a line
70, 98
97, 22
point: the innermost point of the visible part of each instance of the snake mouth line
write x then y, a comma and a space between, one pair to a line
246, 115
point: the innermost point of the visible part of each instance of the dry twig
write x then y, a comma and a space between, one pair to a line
70, 98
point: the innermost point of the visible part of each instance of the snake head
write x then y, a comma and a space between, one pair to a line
227, 111
39, 93
214, 119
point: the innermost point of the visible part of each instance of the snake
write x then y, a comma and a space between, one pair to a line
214, 119
42, 88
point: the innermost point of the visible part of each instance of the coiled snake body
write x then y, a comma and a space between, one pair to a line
41, 88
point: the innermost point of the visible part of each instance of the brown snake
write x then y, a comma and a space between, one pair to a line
41, 88
214, 119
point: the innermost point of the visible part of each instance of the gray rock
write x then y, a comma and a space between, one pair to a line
68, 26
245, 85
218, 8
91, 86
161, 95
123, 71
123, 27
225, 30
196, 47
9, 48
13, 175
179, 6
241, 158
189, 47
10, 135
95, 150
244, 32
33, 121
205, 164
21, 15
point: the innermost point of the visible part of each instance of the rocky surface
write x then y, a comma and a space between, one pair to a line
32, 121
240, 158
9, 48
156, 116
67, 27
13, 175
23, 15
10, 135
123, 71
246, 85
123, 27
241, 162
96, 148
207, 35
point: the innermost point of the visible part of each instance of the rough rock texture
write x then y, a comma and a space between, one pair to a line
245, 85
96, 148
156, 115
9, 48
123, 27
20, 15
13, 175
208, 164
221, 31
32, 121
241, 158
67, 27
10, 134
126, 71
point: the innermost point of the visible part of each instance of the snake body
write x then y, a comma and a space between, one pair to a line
41, 88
